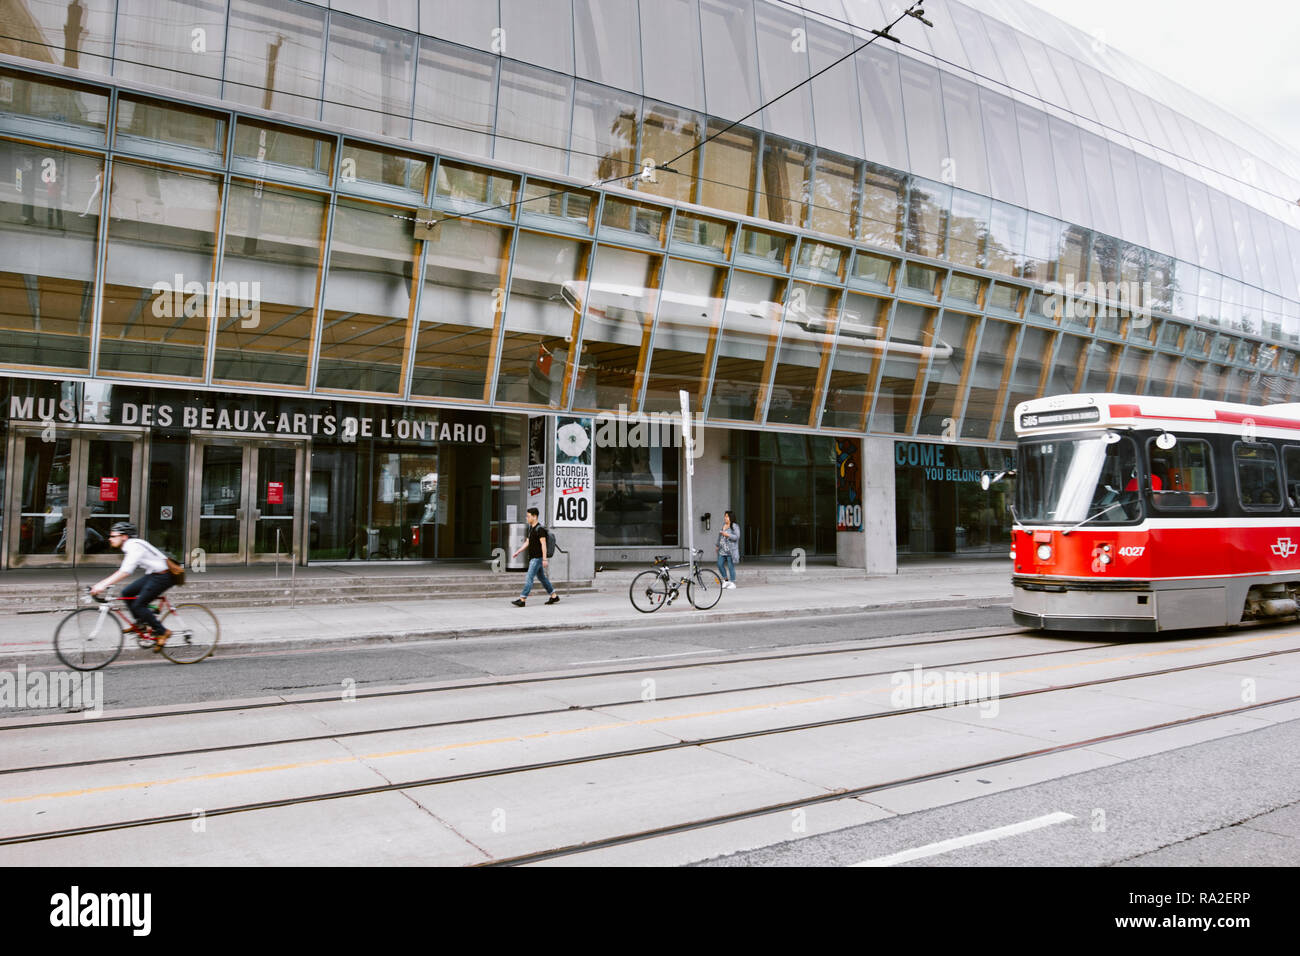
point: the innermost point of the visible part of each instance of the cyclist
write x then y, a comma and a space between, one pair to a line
139, 553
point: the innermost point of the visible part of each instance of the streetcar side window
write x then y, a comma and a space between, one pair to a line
1291, 468
1258, 476
1182, 477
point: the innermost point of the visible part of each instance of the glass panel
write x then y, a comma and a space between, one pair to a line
860, 341
278, 465
367, 299
467, 264
819, 260
806, 337
1026, 382
964, 289
783, 65
835, 95
1067, 153
220, 497
784, 187
264, 70
921, 278
696, 235
165, 123
881, 99
604, 134
167, 488
77, 34
1132, 371
400, 13
161, 242
911, 338
1258, 477
926, 141
45, 508
949, 368
966, 163
49, 226
989, 380
616, 328
533, 117
730, 160
927, 218
671, 53
1161, 374
1207, 246
748, 345
1102, 361
1101, 184
546, 295
369, 76
540, 32
1183, 476
638, 219
549, 200
1155, 207
381, 167
1039, 164
684, 338
873, 269
474, 190
1006, 172
834, 196
1042, 248
273, 243
968, 229
667, 133
455, 98
883, 207
607, 38
731, 68
636, 496
174, 44
471, 24
1068, 368
281, 152
1123, 165
775, 247
30, 102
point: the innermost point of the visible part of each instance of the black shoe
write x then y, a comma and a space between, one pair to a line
517, 602
553, 599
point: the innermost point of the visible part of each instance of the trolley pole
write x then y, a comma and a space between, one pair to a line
688, 446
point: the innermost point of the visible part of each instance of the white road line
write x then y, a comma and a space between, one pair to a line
971, 839
649, 657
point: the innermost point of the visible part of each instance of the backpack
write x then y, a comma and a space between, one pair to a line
551, 546
174, 568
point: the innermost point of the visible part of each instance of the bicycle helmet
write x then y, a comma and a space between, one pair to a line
126, 528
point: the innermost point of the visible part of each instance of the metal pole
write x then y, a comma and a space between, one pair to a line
293, 579
688, 445
277, 552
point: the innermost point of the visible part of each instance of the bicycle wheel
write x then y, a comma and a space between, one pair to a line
195, 633
648, 592
88, 639
705, 590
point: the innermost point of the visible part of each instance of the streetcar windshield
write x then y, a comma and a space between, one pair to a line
1065, 481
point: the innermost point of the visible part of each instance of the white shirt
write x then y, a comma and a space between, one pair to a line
138, 553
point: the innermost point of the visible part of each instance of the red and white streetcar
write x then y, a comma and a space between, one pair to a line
1136, 513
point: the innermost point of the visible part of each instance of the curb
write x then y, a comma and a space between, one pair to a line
46, 654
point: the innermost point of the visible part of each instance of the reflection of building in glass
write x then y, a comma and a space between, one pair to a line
880, 252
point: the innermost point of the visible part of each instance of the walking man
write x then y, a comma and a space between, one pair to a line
537, 561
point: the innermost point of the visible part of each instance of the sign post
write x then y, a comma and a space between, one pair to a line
689, 447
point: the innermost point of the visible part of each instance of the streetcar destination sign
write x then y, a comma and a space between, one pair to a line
1072, 416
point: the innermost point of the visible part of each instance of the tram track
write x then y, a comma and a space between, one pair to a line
684, 744
430, 725
525, 681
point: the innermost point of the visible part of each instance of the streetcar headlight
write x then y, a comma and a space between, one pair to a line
1044, 552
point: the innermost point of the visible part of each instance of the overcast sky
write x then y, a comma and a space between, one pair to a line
1243, 56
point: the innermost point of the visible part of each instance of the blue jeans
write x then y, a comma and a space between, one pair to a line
535, 571
726, 563
143, 590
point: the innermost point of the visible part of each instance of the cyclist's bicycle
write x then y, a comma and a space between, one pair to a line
91, 637
652, 589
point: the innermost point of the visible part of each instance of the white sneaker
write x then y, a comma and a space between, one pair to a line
728, 584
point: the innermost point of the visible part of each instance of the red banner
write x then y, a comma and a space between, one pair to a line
275, 493
108, 489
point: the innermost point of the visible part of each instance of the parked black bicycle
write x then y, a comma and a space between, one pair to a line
652, 589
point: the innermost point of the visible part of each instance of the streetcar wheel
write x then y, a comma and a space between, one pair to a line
87, 639
705, 590
195, 633
648, 592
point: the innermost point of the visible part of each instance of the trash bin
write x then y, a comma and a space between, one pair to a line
516, 535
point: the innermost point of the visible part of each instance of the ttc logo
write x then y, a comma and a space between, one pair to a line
1285, 547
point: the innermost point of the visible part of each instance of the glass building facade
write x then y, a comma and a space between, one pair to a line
542, 206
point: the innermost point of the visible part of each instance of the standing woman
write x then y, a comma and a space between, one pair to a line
728, 549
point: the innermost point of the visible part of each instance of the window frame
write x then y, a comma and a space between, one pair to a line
1236, 471
1212, 494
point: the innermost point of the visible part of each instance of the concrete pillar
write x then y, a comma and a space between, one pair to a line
875, 547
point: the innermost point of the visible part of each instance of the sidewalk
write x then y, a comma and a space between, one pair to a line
763, 592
